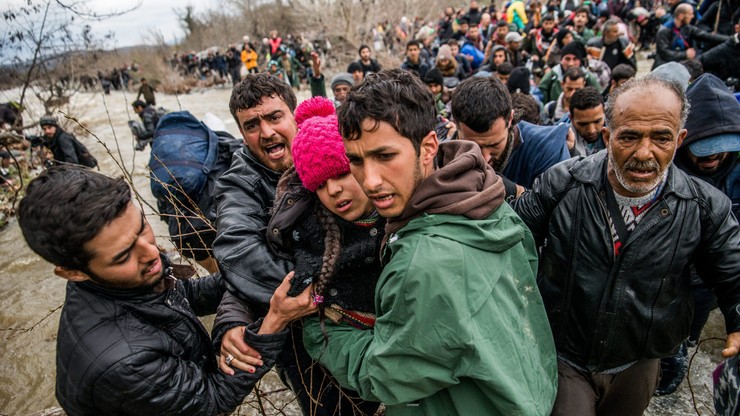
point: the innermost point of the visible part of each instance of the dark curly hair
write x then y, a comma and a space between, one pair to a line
525, 108
585, 98
65, 207
394, 96
479, 101
254, 88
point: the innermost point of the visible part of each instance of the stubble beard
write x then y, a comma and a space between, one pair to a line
498, 164
644, 187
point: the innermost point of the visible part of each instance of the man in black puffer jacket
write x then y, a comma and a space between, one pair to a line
57, 140
129, 340
621, 228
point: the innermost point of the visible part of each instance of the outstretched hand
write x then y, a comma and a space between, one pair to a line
283, 309
316, 64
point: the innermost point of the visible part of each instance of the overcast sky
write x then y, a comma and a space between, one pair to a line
133, 27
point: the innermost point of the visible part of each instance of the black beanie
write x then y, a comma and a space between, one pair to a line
354, 66
518, 80
433, 76
574, 48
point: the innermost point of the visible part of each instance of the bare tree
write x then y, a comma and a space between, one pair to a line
46, 43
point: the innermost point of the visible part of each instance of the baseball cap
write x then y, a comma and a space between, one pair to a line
721, 143
513, 37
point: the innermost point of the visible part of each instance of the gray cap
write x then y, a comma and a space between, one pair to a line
673, 71
48, 121
342, 78
513, 37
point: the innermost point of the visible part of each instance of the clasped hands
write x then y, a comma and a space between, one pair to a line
283, 310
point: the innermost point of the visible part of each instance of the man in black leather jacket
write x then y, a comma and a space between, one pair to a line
262, 107
129, 340
621, 228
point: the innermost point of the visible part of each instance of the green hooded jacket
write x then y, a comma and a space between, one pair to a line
461, 328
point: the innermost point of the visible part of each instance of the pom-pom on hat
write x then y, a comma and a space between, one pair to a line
318, 151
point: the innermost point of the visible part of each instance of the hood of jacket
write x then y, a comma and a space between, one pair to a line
714, 110
463, 185
293, 203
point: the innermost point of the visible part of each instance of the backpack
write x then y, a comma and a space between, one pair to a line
137, 128
184, 151
197, 215
83, 155
227, 145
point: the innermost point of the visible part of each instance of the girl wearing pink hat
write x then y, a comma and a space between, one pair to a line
323, 221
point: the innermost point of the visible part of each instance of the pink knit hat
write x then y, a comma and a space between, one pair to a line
318, 151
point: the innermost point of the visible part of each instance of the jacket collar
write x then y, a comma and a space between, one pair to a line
592, 169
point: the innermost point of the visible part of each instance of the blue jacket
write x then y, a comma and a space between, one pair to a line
540, 147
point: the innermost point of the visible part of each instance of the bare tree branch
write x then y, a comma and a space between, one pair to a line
80, 9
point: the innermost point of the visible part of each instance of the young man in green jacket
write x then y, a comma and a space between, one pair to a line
460, 325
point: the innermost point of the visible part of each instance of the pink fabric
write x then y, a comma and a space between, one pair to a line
318, 151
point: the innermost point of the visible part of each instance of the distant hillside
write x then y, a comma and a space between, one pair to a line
73, 64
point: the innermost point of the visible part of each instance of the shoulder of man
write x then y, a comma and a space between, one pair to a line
543, 137
549, 77
579, 169
65, 135
691, 187
247, 173
595, 42
93, 331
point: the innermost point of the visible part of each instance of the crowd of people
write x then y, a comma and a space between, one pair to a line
530, 47
288, 58
512, 222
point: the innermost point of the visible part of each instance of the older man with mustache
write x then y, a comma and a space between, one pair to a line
617, 231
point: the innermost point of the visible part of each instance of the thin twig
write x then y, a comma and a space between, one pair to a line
688, 373
31, 328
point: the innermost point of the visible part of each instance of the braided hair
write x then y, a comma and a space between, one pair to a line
332, 247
